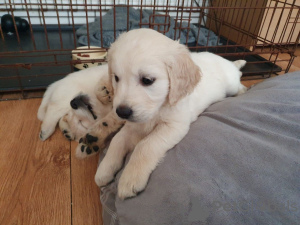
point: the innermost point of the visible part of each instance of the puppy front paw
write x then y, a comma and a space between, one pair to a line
104, 175
131, 183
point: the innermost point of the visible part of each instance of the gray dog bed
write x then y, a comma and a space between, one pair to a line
239, 164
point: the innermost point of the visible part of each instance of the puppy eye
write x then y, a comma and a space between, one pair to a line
116, 78
147, 81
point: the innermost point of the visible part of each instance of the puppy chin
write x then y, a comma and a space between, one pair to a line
141, 118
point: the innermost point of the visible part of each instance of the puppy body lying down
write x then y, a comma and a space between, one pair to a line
160, 88
76, 102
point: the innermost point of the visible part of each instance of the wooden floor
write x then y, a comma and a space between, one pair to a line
43, 182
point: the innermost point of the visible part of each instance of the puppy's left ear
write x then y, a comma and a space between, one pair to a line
183, 73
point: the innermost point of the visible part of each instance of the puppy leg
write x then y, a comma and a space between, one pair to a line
51, 118
113, 159
44, 104
99, 136
147, 154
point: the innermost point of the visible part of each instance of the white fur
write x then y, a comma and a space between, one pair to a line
55, 105
159, 119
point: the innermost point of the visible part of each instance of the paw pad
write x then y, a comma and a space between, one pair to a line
91, 139
82, 148
67, 135
96, 148
88, 151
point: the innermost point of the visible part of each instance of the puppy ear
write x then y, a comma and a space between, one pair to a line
183, 73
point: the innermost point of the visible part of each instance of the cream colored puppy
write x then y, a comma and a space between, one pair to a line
160, 88
76, 102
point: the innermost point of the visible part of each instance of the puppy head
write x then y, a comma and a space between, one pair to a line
149, 70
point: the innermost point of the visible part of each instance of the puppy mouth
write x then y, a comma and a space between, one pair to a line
90, 109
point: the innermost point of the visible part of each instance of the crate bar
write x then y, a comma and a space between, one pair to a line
293, 29
251, 22
87, 23
100, 8
181, 19
244, 25
30, 26
294, 26
189, 23
272, 16
177, 11
167, 13
15, 25
230, 28
221, 25
141, 13
240, 23
286, 26
127, 15
114, 9
44, 23
200, 21
73, 24
74, 62
2, 36
282, 35
51, 52
256, 26
10, 54
59, 28
290, 63
133, 5
278, 23
209, 26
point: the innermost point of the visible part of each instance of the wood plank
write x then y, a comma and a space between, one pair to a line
35, 175
86, 206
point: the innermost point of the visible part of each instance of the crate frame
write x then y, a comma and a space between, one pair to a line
216, 15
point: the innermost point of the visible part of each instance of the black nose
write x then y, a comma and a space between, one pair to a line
75, 103
124, 112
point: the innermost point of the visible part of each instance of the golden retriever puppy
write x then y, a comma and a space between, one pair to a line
160, 88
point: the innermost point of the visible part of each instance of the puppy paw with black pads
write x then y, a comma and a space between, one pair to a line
87, 146
105, 95
68, 135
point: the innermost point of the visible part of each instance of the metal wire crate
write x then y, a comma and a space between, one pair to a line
234, 29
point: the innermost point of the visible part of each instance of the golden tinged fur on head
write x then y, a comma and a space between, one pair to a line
184, 75
145, 53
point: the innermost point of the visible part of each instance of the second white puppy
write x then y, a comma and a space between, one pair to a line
160, 88
76, 102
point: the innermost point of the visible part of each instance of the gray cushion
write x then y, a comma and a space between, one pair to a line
239, 164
